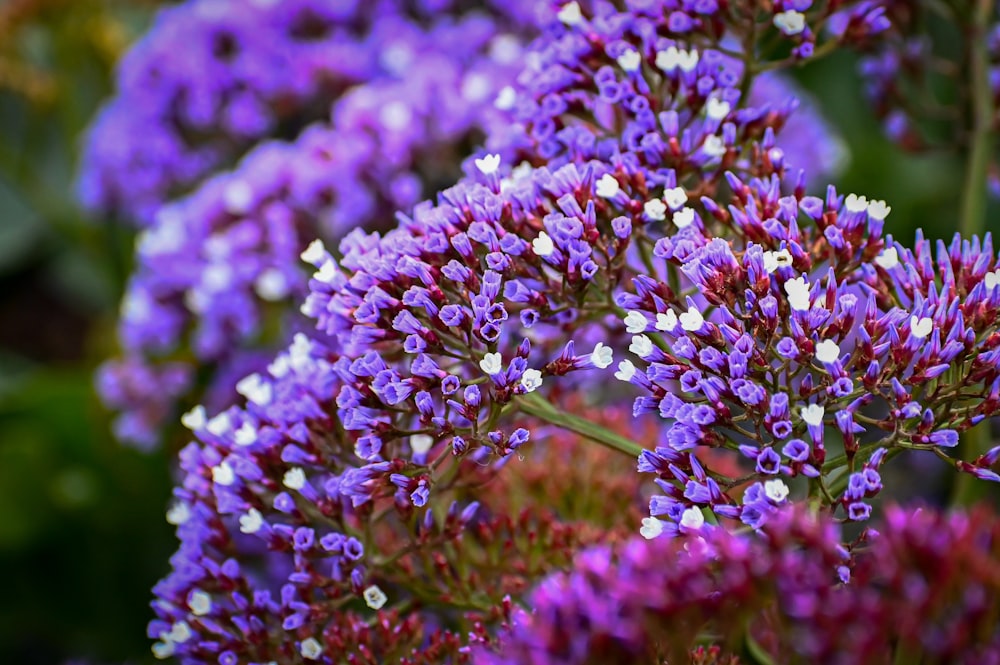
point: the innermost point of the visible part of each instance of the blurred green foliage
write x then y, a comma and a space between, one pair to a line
82, 534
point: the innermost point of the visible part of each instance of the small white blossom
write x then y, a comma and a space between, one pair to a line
543, 245
668, 60
315, 253
570, 14
311, 649
252, 521
164, 650
641, 346
178, 514
692, 519
200, 603
666, 321
626, 370
827, 351
492, 363
921, 328
630, 60
602, 356
271, 285
375, 598
790, 22
798, 293
607, 186
713, 146
717, 109
675, 197
506, 98
246, 435
488, 164
531, 380
992, 279
655, 209
888, 259
775, 260
255, 389
683, 218
294, 479
687, 60
651, 528
195, 419
776, 490
636, 322
421, 443
878, 210
327, 272
223, 474
812, 414
855, 203
219, 424
692, 320
179, 633
237, 197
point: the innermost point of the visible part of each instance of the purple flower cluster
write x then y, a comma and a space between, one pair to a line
926, 588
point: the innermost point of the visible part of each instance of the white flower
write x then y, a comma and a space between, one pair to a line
683, 218
570, 14
626, 370
812, 414
311, 649
271, 285
200, 603
692, 320
375, 598
607, 186
921, 327
246, 435
798, 293
194, 419
666, 321
776, 490
327, 272
713, 146
506, 99
888, 259
651, 528
543, 245
636, 322
179, 633
164, 650
178, 514
602, 356
668, 60
531, 380
692, 519
641, 346
219, 424
237, 197
294, 479
855, 203
254, 389
252, 521
488, 164
223, 474
827, 351
655, 209
315, 253
992, 279
492, 363
687, 60
630, 60
775, 260
878, 210
717, 109
790, 22
421, 443
675, 197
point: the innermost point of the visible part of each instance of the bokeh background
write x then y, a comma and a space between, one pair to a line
82, 529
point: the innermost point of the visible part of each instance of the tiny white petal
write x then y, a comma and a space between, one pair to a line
246, 435
492, 363
992, 279
668, 60
311, 649
626, 370
675, 197
790, 22
223, 474
488, 164
651, 528
164, 650
543, 245
421, 443
314, 253
220, 424
506, 99
655, 209
855, 203
531, 380
666, 321
195, 419
630, 60
636, 322
255, 389
713, 146
237, 197
717, 109
294, 479
607, 186
692, 519
827, 351
641, 346
775, 260
692, 320
180, 632
602, 356
375, 598
271, 285
813, 414
878, 210
776, 490
570, 14
200, 603
178, 514
252, 521
798, 293
684, 218
888, 259
687, 60
921, 328
327, 272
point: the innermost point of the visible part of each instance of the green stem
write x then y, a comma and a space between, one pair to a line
535, 405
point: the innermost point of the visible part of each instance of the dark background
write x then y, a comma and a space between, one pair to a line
82, 529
